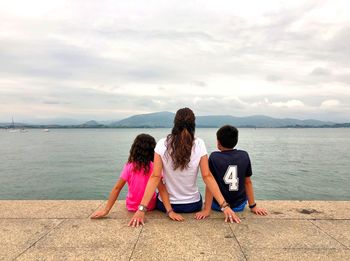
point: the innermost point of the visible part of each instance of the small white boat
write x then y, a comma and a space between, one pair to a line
46, 130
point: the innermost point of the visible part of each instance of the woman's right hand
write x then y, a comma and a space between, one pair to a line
99, 214
231, 216
137, 219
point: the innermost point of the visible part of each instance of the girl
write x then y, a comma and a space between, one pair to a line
179, 157
136, 173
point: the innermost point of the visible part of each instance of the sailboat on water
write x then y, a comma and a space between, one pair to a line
13, 128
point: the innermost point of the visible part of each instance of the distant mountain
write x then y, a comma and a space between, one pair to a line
91, 124
9, 124
152, 120
341, 125
165, 119
255, 121
54, 121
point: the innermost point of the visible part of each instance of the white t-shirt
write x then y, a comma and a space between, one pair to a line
181, 184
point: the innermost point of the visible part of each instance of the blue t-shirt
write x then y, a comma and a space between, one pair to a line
230, 168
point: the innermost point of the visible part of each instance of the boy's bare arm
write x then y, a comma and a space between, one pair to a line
249, 191
251, 200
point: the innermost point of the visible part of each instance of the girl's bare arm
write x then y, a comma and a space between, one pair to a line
113, 196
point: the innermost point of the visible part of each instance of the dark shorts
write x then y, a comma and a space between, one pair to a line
182, 208
215, 206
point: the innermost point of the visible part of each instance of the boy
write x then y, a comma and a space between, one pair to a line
231, 169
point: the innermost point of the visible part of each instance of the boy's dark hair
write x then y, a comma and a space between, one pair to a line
227, 135
142, 152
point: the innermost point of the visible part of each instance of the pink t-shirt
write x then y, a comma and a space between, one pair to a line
137, 182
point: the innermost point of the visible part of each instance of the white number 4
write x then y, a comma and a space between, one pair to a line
231, 179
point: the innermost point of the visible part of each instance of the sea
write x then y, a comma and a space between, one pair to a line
288, 164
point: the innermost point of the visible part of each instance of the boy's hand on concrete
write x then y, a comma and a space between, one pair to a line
175, 216
99, 214
231, 216
202, 214
259, 211
137, 219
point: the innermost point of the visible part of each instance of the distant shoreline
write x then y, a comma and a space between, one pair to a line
336, 126
165, 120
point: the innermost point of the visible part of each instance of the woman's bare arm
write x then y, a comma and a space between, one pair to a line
166, 202
210, 182
152, 184
205, 212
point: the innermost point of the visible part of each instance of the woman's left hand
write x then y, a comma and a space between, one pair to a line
202, 214
231, 216
137, 219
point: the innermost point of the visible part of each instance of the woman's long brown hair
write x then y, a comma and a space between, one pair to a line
180, 141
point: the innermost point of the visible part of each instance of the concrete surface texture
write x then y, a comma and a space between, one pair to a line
62, 230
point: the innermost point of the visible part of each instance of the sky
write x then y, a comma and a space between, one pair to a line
107, 60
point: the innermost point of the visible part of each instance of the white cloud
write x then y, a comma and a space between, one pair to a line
289, 104
330, 104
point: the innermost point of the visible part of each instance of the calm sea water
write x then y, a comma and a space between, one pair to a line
85, 163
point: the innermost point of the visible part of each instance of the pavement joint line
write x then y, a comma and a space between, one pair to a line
132, 252
38, 240
240, 247
346, 247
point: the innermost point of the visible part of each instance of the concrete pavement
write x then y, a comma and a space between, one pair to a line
62, 230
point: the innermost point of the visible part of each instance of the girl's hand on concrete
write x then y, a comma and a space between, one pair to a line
202, 214
99, 214
231, 216
137, 219
175, 216
259, 211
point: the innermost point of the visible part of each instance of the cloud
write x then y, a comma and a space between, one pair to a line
54, 102
289, 104
319, 71
199, 83
273, 78
124, 57
330, 104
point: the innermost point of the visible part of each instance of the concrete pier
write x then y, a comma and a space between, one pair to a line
62, 230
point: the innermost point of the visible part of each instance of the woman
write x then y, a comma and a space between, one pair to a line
179, 157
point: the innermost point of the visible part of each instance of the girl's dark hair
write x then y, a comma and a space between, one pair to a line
142, 152
180, 141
